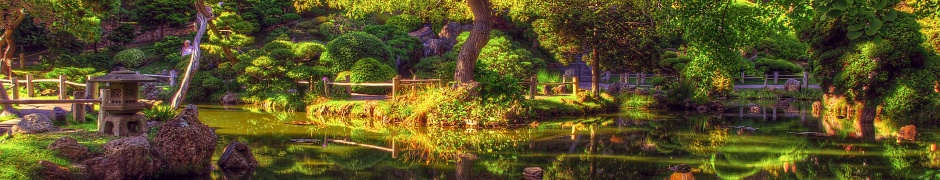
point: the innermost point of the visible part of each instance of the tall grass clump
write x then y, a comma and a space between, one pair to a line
160, 113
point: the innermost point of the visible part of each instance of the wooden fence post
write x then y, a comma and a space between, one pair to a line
348, 88
742, 77
574, 84
90, 88
395, 85
765, 80
101, 113
637, 81
62, 88
78, 109
532, 83
643, 81
805, 80
29, 86
22, 60
15, 87
776, 76
326, 87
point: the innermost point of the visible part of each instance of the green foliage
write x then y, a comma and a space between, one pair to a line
162, 13
497, 88
130, 58
405, 22
671, 62
768, 66
160, 113
781, 47
546, 76
74, 74
371, 70
307, 51
437, 67
892, 69
122, 34
345, 50
402, 46
503, 56
862, 18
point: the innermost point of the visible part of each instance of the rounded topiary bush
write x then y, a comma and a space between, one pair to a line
308, 50
349, 48
130, 57
768, 66
371, 70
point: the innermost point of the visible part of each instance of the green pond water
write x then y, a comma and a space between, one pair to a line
632, 144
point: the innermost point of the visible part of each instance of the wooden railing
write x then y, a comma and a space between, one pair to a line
533, 83
776, 77
396, 84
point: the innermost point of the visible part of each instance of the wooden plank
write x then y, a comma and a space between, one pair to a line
361, 84
532, 82
49, 101
395, 87
75, 84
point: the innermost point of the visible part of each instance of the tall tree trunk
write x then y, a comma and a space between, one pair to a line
7, 40
201, 20
866, 121
8, 58
595, 66
479, 36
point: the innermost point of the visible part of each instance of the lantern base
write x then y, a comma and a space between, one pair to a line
123, 125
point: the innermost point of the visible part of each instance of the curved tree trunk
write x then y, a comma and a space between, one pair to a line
7, 40
866, 121
201, 20
479, 36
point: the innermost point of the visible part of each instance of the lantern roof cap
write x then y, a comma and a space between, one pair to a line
123, 76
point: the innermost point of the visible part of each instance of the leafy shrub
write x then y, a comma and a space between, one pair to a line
498, 88
161, 112
768, 66
505, 57
405, 22
403, 47
306, 51
437, 67
781, 47
672, 62
74, 74
290, 17
657, 81
349, 48
371, 70
130, 58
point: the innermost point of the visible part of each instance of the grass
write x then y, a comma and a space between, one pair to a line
761, 94
20, 155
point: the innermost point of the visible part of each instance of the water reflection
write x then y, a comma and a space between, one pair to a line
775, 142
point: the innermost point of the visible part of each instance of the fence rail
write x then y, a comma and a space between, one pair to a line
396, 84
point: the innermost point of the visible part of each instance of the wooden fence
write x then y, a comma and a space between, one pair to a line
396, 84
533, 84
776, 77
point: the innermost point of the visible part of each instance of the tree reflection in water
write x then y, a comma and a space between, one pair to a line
642, 144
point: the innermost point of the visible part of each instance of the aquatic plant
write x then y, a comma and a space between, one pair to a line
160, 112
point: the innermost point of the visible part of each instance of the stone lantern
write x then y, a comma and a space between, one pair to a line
121, 104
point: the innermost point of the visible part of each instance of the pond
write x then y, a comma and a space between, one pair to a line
764, 144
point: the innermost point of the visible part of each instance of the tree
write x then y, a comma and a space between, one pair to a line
716, 32
78, 17
160, 14
872, 56
618, 34
480, 11
122, 34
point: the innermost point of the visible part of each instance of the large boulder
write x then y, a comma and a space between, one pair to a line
34, 123
53, 171
125, 158
237, 156
560, 89
185, 145
532, 173
908, 132
230, 98
614, 88
792, 85
70, 149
